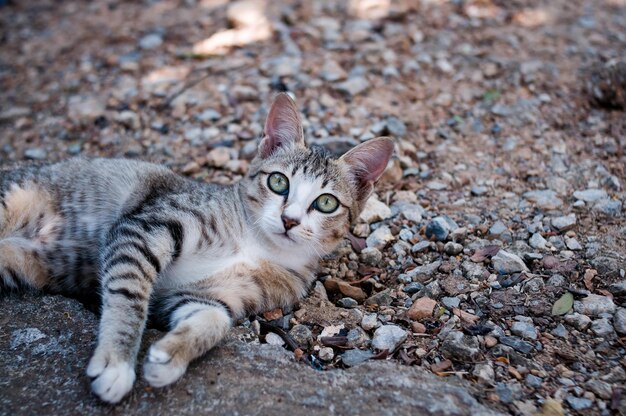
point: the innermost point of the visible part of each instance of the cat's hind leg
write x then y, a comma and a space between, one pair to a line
198, 323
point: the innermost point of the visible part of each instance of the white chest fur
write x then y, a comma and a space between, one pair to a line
195, 265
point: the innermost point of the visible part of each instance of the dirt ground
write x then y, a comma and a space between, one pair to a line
506, 193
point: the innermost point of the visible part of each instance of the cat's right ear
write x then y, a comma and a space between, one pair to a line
283, 127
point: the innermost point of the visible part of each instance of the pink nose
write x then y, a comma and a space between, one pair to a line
289, 223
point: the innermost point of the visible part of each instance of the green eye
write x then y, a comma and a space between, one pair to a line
278, 183
326, 203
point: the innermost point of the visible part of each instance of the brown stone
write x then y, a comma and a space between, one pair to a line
465, 316
353, 292
422, 308
331, 285
273, 314
490, 341
418, 328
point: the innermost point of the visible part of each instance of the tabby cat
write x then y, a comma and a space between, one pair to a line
195, 257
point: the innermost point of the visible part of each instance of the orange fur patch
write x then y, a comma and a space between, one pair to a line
28, 221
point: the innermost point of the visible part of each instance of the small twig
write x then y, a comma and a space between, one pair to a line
405, 357
381, 355
185, 87
293, 345
336, 341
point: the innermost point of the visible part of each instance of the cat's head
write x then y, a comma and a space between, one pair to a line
301, 198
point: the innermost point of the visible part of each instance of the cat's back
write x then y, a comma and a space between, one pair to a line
105, 181
87, 194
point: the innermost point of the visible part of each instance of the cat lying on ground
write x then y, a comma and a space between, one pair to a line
195, 257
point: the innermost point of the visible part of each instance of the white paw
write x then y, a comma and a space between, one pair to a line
112, 381
158, 356
159, 370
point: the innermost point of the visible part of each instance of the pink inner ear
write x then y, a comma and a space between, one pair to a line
282, 127
368, 160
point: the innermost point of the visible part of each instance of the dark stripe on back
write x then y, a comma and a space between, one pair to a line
158, 187
174, 227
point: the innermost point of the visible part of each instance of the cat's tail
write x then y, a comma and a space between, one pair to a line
21, 267
27, 223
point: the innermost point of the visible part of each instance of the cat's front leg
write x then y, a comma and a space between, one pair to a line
198, 324
201, 314
136, 250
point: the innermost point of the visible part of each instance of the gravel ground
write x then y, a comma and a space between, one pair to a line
495, 248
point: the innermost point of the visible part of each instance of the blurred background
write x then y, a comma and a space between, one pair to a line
511, 135
188, 83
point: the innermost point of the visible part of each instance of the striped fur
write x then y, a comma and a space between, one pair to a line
195, 257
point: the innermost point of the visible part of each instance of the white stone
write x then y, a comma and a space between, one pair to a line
128, 119
374, 211
564, 223
218, 157
508, 263
369, 321
484, 373
578, 321
151, 41
594, 305
379, 238
619, 321
388, 337
85, 109
537, 241
274, 339
326, 354
591, 195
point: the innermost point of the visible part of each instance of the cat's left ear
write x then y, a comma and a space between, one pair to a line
367, 162
283, 127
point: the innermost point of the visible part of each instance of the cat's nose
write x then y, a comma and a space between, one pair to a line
289, 223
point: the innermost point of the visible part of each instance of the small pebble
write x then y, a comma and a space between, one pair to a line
326, 354
274, 339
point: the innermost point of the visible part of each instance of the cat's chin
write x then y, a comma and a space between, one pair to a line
285, 237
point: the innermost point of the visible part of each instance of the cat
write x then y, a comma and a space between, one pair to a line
194, 256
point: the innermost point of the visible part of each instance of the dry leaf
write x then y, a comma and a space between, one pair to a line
512, 371
588, 278
503, 360
484, 253
441, 366
357, 243
553, 263
465, 316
